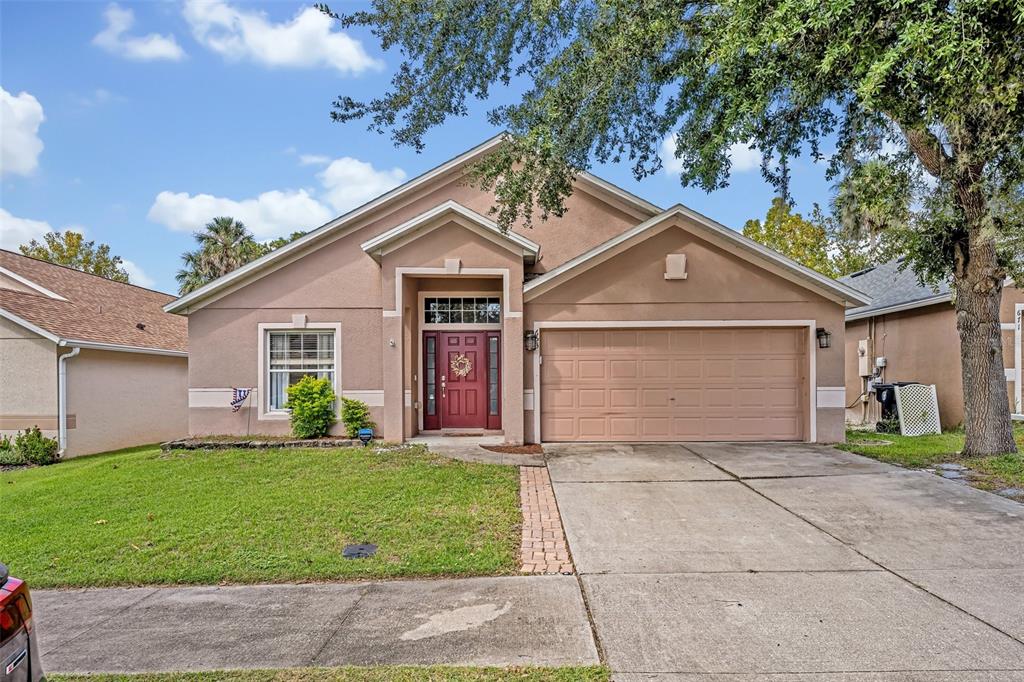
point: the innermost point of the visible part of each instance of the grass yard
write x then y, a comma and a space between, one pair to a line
354, 674
988, 473
144, 517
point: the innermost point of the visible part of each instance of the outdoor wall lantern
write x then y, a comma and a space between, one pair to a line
531, 340
824, 338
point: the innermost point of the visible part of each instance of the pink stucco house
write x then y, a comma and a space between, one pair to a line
95, 364
620, 321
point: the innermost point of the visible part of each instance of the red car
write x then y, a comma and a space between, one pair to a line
19, 653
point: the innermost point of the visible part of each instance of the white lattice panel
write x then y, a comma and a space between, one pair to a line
918, 409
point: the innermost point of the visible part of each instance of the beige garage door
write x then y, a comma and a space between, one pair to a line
674, 384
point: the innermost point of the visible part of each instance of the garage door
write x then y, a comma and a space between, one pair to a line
674, 384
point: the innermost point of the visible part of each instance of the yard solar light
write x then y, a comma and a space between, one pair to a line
824, 338
531, 340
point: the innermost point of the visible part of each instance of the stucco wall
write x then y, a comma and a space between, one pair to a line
28, 380
125, 399
337, 282
922, 345
719, 286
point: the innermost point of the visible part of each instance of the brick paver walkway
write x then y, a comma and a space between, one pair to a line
543, 549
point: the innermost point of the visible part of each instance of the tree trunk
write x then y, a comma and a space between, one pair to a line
978, 286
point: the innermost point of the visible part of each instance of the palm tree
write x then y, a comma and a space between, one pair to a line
224, 245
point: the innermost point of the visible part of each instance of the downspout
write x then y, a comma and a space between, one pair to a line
62, 399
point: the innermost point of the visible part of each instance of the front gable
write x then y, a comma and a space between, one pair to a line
749, 261
637, 275
596, 212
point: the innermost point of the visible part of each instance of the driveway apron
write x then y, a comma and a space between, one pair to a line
790, 562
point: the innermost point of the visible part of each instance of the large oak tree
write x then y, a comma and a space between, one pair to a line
931, 90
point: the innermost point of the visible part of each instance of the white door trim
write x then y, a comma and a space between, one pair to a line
1018, 312
811, 325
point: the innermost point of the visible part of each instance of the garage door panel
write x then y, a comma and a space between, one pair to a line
623, 397
652, 398
685, 341
591, 397
667, 384
686, 369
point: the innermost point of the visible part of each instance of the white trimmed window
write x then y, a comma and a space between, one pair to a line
295, 354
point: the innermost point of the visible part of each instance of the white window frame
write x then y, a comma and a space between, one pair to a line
263, 359
428, 326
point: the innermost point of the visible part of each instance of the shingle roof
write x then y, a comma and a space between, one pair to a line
890, 287
97, 310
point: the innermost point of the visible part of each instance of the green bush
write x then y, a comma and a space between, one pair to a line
8, 455
355, 415
35, 448
311, 401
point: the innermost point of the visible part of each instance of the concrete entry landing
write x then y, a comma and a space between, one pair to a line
759, 561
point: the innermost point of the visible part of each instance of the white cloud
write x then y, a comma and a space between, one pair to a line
350, 182
306, 41
96, 98
667, 152
345, 184
20, 145
271, 214
742, 157
314, 159
136, 275
16, 231
141, 48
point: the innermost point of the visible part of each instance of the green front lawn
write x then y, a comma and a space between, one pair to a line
989, 473
144, 517
353, 674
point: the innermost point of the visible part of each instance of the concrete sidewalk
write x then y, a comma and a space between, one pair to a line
537, 620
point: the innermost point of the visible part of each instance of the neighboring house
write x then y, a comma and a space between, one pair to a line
914, 328
651, 324
101, 354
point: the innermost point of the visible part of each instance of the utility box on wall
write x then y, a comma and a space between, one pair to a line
864, 358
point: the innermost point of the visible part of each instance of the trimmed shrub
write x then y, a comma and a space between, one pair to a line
311, 401
35, 448
355, 415
8, 455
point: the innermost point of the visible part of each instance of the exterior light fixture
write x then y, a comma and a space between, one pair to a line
531, 340
824, 338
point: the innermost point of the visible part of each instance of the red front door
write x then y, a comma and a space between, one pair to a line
461, 380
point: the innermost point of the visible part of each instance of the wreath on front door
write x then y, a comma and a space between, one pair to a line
461, 365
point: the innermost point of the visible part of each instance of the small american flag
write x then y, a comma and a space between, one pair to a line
238, 397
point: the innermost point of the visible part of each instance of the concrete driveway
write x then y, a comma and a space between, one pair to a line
790, 562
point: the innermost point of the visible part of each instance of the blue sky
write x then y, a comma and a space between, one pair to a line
137, 122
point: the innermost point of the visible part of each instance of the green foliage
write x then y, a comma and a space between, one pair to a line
792, 236
8, 455
821, 243
35, 448
281, 241
925, 96
355, 415
225, 244
70, 249
311, 401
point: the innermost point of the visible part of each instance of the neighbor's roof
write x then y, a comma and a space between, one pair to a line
892, 290
74, 308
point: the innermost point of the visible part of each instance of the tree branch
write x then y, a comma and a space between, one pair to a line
928, 149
